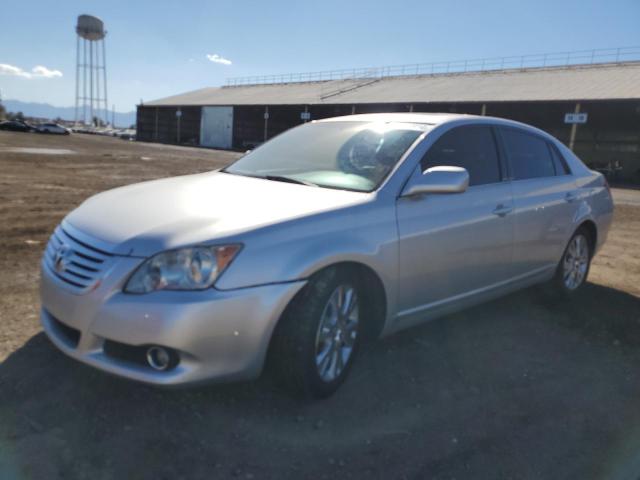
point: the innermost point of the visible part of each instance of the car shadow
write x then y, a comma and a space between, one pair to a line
485, 393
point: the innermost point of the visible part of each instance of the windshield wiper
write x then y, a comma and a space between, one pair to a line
281, 178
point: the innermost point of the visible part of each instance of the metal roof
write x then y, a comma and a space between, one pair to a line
589, 82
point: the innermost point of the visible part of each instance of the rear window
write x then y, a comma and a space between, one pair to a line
529, 154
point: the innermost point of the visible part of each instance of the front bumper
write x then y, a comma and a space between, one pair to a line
218, 335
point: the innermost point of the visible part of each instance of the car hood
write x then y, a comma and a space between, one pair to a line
146, 218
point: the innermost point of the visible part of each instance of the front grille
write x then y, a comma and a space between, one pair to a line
81, 264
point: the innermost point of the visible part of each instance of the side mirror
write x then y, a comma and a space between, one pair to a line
439, 180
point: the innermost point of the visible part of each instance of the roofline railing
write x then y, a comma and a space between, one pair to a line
539, 60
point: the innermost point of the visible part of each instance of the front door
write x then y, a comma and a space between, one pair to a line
455, 245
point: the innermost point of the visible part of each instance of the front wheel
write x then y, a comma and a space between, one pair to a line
318, 336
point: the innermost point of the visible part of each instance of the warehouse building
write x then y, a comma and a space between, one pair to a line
594, 109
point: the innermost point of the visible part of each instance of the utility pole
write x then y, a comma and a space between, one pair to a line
178, 117
266, 122
574, 129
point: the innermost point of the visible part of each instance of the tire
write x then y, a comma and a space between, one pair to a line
313, 347
573, 269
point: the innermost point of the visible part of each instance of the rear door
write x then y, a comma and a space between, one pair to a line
452, 245
544, 194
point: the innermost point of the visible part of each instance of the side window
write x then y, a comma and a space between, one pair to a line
471, 147
530, 155
558, 161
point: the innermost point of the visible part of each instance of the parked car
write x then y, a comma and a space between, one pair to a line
16, 126
127, 134
332, 233
53, 128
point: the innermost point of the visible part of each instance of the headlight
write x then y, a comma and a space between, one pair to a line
194, 268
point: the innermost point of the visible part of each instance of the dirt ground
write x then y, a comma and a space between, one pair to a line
516, 388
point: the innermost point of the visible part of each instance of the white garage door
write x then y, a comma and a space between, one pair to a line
216, 127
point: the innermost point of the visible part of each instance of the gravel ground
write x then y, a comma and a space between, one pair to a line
627, 196
516, 388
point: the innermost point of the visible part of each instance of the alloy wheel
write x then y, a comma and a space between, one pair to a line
337, 332
576, 262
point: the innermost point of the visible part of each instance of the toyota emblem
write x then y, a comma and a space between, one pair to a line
62, 258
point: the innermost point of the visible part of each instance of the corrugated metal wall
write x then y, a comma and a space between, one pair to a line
611, 137
161, 124
250, 127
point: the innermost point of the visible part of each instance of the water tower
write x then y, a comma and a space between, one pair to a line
91, 93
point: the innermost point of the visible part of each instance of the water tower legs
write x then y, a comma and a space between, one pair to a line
104, 73
91, 89
75, 116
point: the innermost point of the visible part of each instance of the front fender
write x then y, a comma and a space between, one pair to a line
301, 247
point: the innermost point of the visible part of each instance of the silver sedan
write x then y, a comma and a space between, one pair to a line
332, 233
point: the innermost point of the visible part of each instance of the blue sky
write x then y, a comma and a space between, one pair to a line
156, 49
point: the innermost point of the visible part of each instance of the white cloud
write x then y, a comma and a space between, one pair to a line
40, 71
13, 71
36, 72
215, 58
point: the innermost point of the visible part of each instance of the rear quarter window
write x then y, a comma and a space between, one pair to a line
562, 168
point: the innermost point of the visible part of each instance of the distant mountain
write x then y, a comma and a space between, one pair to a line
44, 110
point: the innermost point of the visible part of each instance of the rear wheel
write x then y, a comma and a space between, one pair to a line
573, 268
318, 337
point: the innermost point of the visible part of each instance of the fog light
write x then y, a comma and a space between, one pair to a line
158, 358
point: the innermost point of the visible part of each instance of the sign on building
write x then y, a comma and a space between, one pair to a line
575, 118
305, 116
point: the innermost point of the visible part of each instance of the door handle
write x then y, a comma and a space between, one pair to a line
570, 197
502, 210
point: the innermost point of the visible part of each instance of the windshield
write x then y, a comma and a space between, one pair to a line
347, 155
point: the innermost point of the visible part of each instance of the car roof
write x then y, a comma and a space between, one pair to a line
426, 118
434, 119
